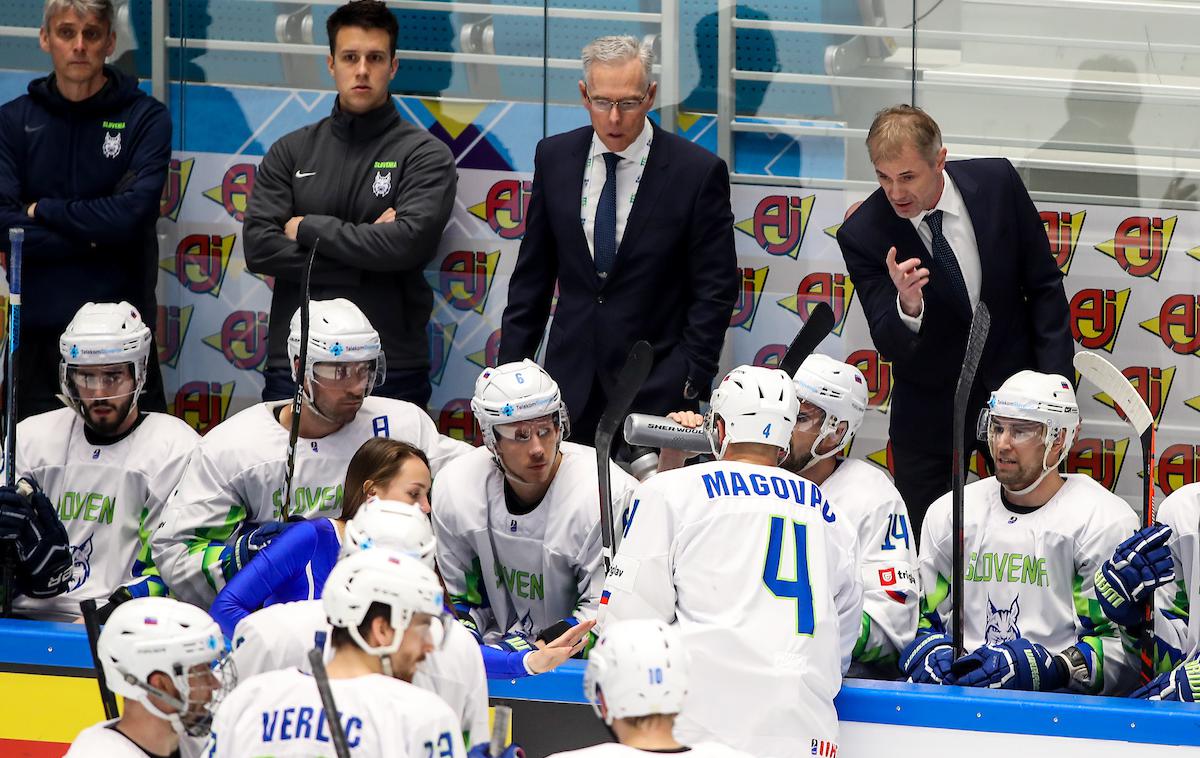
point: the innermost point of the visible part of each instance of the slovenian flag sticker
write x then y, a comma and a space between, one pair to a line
604, 597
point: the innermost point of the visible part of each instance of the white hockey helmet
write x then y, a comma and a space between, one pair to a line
757, 405
381, 575
640, 666
338, 332
1047, 399
836, 388
103, 334
390, 524
513, 392
161, 634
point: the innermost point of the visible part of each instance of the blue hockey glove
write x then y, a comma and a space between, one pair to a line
254, 537
1014, 665
927, 659
1127, 580
483, 750
38, 539
515, 642
1181, 683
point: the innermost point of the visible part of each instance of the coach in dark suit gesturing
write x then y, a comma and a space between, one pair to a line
933, 241
635, 225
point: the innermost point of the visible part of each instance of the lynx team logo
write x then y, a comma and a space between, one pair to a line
1062, 230
202, 405
441, 340
1140, 245
81, 564
779, 223
1096, 317
382, 184
1177, 324
234, 191
835, 289
505, 207
465, 278
753, 280
112, 145
878, 374
242, 340
1101, 459
1178, 465
201, 262
490, 354
170, 331
1153, 384
456, 420
1002, 622
179, 173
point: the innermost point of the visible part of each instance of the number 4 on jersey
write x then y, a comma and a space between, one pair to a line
797, 588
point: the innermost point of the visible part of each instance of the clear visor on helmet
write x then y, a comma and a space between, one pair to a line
991, 428
810, 417
523, 431
109, 381
349, 374
206, 686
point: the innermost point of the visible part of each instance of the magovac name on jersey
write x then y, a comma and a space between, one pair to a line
305, 723
1010, 568
526, 584
731, 484
86, 506
309, 499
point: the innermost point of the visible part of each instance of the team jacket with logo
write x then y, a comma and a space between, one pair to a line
237, 474
280, 714
1177, 633
867, 499
761, 574
548, 566
109, 496
340, 174
280, 636
1031, 574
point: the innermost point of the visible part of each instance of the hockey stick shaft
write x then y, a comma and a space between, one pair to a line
91, 623
501, 721
301, 375
976, 339
316, 659
16, 238
818, 326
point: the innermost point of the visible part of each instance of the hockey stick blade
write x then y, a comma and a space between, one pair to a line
629, 382
815, 329
316, 660
981, 323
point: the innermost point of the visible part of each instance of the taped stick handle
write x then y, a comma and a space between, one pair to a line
501, 721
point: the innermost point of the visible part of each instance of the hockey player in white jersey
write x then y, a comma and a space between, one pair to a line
518, 521
165, 659
636, 679
759, 571
386, 613
229, 502
108, 467
833, 401
1033, 541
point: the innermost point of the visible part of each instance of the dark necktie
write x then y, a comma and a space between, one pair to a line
943, 255
604, 233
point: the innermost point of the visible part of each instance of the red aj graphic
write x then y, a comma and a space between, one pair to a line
505, 207
1096, 317
1140, 245
833, 288
201, 262
779, 223
202, 404
234, 191
242, 340
744, 310
465, 278
1177, 323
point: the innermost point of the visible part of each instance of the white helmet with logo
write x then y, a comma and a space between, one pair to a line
1047, 399
160, 634
640, 668
836, 388
514, 392
393, 525
757, 405
103, 334
338, 332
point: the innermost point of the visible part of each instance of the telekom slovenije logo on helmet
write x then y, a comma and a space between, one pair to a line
505, 207
779, 223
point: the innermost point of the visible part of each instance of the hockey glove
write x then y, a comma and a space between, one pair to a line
1181, 683
515, 642
483, 750
1126, 581
32, 529
254, 538
1014, 665
927, 659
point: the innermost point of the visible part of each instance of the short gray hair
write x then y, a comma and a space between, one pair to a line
102, 9
617, 49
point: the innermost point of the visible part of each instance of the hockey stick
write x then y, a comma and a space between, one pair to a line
980, 323
91, 623
16, 238
1104, 375
501, 720
629, 382
661, 432
316, 659
298, 398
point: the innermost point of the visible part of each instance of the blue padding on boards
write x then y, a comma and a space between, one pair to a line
43, 643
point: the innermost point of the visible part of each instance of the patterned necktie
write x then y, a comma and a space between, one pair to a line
604, 233
943, 254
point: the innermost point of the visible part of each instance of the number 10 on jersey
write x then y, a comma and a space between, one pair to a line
798, 587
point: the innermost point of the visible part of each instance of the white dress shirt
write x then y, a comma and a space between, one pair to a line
629, 174
960, 233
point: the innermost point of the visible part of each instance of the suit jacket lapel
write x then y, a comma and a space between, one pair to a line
572, 181
982, 221
653, 180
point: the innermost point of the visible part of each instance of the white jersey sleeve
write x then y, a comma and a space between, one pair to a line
103, 741
640, 582
277, 637
1176, 634
617, 750
455, 674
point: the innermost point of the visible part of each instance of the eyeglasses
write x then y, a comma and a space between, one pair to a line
604, 105
525, 432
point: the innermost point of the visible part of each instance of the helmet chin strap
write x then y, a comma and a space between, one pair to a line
175, 719
1045, 470
386, 662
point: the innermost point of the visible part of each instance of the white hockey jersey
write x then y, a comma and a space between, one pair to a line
866, 498
238, 474
761, 574
102, 741
1031, 574
280, 636
617, 750
1177, 633
548, 565
109, 496
280, 714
